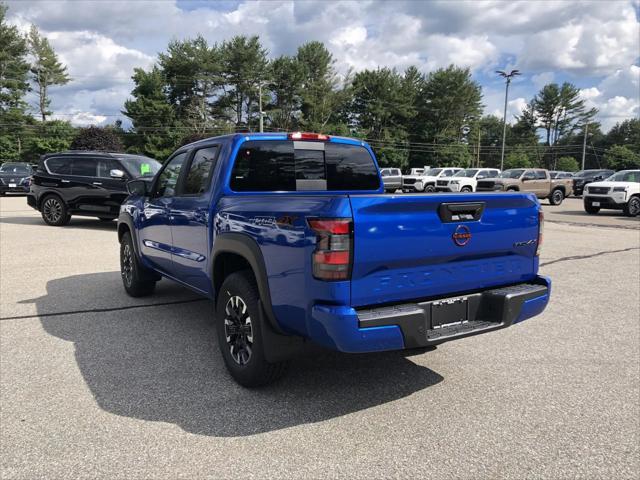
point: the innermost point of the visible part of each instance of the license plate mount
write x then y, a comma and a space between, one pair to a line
12, 185
452, 311
595, 204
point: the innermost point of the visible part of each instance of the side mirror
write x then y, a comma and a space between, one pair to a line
138, 188
115, 173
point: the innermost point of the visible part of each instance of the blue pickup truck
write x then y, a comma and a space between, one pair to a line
292, 236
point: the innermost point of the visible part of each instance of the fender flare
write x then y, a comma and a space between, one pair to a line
246, 247
126, 219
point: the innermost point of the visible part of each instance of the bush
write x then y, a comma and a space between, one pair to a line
620, 157
98, 139
517, 160
567, 164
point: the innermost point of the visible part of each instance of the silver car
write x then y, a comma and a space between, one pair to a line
392, 179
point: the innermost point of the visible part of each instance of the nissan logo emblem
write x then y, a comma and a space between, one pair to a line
461, 235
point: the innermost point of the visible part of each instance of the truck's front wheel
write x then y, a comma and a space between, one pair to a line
137, 280
240, 334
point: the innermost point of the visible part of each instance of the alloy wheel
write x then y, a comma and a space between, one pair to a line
127, 265
634, 206
238, 330
52, 210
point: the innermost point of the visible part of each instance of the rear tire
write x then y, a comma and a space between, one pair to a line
54, 211
632, 207
238, 318
137, 280
590, 209
556, 197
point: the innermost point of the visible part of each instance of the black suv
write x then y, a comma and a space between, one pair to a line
85, 183
15, 177
584, 177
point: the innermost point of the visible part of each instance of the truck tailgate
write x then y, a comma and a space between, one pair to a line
404, 248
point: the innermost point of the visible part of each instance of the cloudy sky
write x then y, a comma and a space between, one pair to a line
593, 44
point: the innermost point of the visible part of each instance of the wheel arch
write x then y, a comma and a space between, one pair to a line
233, 252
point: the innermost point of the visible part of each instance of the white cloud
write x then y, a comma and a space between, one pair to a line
103, 41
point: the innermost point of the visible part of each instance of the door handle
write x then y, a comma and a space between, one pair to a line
97, 183
65, 181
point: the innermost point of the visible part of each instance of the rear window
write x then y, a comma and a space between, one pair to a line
277, 166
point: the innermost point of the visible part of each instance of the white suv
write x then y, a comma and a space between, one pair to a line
465, 180
427, 181
621, 191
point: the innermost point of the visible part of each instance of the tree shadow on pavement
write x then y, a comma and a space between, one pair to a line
161, 363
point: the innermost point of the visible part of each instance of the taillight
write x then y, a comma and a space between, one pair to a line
308, 136
540, 231
333, 253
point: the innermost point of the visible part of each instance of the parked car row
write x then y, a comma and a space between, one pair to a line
620, 191
15, 177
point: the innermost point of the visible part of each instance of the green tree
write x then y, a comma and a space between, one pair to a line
192, 72
156, 132
454, 155
517, 159
380, 112
621, 157
626, 133
560, 110
286, 76
14, 84
567, 164
46, 70
102, 139
450, 99
524, 131
244, 68
319, 102
51, 136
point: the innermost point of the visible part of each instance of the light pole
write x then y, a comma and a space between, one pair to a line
584, 144
260, 105
508, 77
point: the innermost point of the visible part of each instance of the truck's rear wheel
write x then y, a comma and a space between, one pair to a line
556, 197
137, 280
240, 337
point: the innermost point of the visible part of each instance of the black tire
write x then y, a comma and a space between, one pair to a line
137, 280
429, 188
556, 197
240, 334
54, 211
466, 190
590, 209
632, 207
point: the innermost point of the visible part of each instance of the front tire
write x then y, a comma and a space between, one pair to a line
632, 208
556, 197
429, 189
466, 190
240, 338
137, 280
54, 211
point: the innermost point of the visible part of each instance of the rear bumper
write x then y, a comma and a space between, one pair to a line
431, 322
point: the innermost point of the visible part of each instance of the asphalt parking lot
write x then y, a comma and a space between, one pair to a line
97, 384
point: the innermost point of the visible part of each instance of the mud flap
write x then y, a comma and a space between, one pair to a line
277, 347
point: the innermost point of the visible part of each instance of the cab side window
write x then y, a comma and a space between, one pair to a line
84, 167
199, 175
105, 166
541, 174
167, 184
